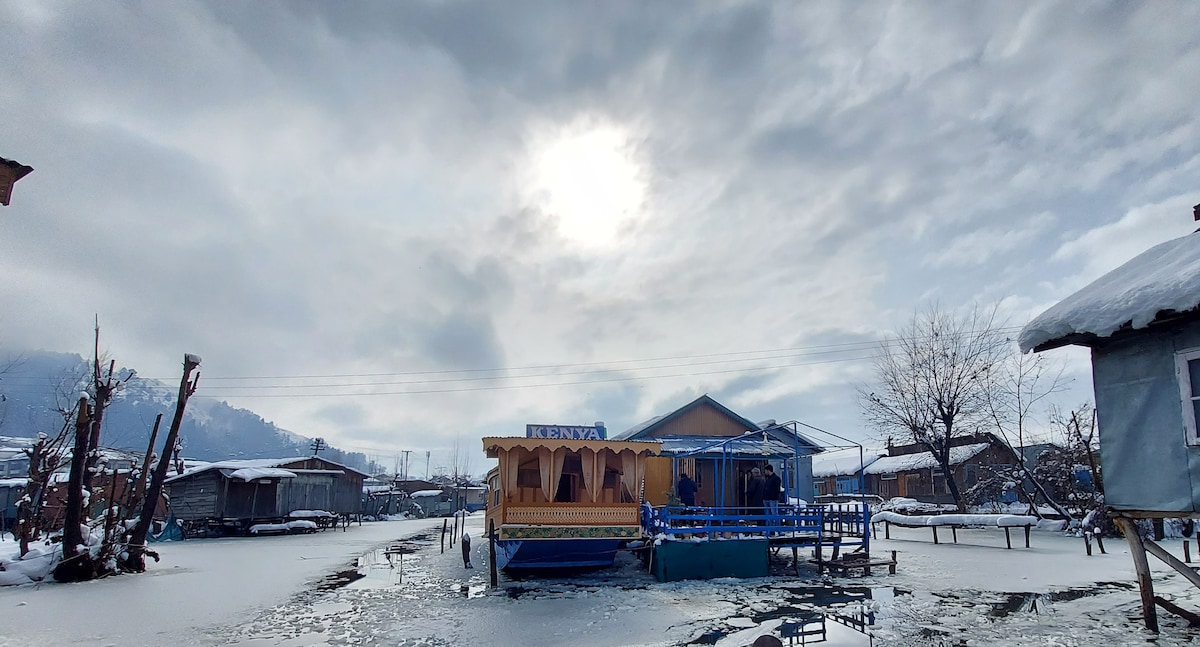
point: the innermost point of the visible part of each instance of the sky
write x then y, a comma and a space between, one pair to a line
403, 226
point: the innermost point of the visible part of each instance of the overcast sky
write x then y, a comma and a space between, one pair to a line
393, 197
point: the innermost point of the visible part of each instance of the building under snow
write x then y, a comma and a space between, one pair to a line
1142, 324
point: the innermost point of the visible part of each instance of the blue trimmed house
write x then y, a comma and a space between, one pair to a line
718, 447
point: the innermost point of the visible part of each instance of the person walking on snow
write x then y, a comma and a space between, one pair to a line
466, 550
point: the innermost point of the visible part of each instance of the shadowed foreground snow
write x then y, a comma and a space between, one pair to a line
387, 583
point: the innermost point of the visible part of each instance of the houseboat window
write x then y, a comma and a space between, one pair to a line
529, 478
566, 489
1188, 372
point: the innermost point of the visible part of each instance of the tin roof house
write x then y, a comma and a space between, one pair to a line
230, 496
1142, 324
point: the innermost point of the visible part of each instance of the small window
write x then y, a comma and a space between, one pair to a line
1187, 365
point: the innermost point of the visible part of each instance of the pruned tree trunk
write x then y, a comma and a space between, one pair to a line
135, 559
76, 563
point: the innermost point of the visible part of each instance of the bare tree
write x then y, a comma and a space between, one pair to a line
135, 553
45, 455
1076, 452
1017, 390
932, 382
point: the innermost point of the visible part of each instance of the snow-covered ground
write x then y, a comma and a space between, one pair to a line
387, 583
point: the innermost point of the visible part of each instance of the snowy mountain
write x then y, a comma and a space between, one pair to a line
34, 388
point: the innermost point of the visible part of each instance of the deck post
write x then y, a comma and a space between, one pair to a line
935, 537
1142, 567
1027, 535
892, 566
1187, 552
954, 533
443, 536
1100, 543
887, 530
1007, 538
494, 578
1087, 542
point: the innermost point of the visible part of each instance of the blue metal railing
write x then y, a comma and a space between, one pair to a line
821, 524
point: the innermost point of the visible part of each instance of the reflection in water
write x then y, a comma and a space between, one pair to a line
835, 616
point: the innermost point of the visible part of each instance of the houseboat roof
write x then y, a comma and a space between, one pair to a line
492, 444
844, 462
922, 460
1160, 283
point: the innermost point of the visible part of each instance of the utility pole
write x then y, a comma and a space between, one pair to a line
317, 445
427, 465
406, 452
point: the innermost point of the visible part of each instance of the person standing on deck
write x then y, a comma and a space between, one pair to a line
754, 494
686, 490
772, 488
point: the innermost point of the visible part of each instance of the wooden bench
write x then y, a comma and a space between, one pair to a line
954, 522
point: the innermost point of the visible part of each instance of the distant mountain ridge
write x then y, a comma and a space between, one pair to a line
38, 383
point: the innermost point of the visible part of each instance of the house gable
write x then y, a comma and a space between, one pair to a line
703, 416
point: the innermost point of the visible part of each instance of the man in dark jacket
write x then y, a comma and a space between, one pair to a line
772, 489
686, 489
754, 494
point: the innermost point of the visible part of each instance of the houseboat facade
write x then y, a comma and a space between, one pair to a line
564, 497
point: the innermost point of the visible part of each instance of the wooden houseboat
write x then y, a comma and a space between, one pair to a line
564, 497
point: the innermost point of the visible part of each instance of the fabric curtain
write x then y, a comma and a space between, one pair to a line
556, 469
587, 459
629, 476
545, 460
502, 458
509, 471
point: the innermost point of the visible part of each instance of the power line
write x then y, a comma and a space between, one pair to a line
847, 346
534, 386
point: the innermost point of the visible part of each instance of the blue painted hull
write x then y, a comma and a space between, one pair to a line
556, 553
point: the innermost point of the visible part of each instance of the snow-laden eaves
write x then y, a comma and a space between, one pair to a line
251, 473
1163, 279
922, 460
844, 462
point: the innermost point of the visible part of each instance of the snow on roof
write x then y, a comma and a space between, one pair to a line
251, 473
13, 482
1165, 277
843, 462
422, 493
235, 465
922, 460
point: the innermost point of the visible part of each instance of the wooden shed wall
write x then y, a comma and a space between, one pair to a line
704, 420
196, 497
1148, 465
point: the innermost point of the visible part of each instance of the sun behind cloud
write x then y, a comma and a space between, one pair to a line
587, 177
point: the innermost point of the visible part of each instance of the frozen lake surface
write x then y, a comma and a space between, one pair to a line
388, 583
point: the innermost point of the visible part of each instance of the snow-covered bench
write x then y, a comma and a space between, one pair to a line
290, 527
954, 521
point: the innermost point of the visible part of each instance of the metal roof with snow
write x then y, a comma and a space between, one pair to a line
922, 460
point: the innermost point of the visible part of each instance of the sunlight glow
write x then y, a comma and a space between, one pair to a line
587, 178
